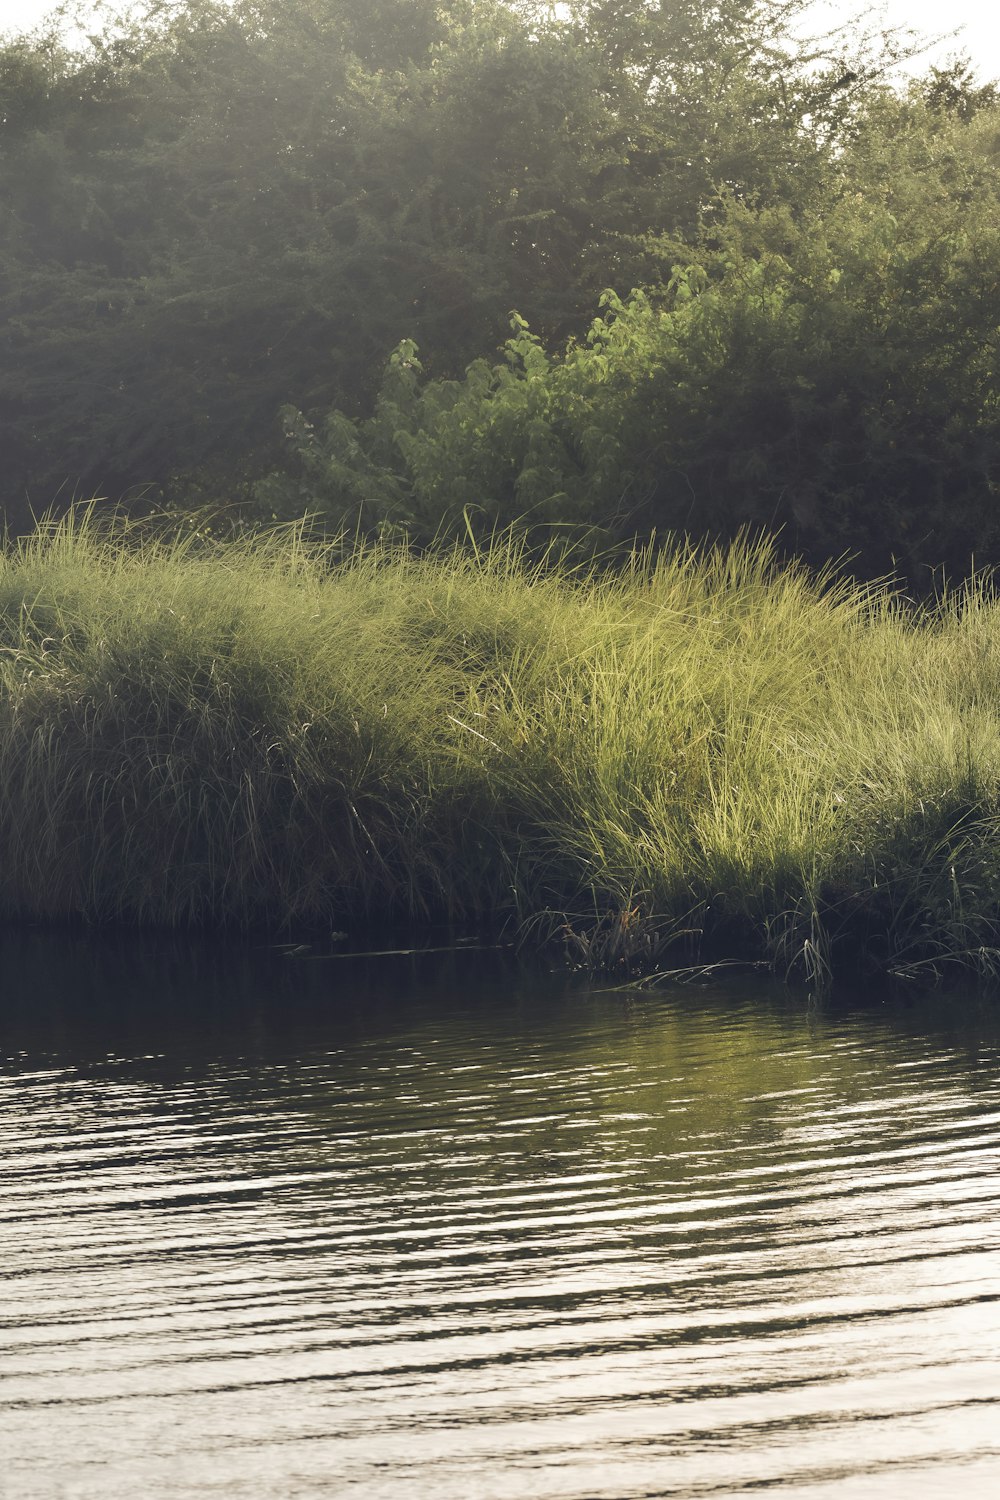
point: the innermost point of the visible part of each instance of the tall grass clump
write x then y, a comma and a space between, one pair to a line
699, 751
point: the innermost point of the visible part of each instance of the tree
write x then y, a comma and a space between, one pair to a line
828, 368
217, 208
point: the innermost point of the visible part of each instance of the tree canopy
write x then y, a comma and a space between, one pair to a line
213, 211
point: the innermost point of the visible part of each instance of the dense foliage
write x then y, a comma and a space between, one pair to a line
213, 211
831, 370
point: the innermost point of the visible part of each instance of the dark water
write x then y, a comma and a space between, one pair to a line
278, 1227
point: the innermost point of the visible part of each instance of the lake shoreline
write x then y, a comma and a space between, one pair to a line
701, 756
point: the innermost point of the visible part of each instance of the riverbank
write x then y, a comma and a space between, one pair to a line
705, 754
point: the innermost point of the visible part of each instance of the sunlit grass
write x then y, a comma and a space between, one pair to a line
700, 754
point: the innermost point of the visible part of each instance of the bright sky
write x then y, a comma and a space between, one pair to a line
979, 20
977, 23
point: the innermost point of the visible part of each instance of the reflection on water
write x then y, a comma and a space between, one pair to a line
283, 1227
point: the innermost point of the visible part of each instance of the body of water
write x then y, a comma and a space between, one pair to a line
289, 1226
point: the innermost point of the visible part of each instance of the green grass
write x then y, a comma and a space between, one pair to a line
703, 754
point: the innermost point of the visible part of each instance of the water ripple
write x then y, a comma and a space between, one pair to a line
583, 1247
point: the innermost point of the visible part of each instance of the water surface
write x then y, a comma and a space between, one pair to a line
283, 1227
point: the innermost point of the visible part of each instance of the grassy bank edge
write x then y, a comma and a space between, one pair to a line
699, 755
